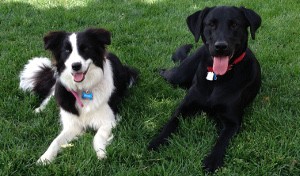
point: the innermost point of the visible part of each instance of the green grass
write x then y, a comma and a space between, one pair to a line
145, 33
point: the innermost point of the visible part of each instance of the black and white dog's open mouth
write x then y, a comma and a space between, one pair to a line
80, 76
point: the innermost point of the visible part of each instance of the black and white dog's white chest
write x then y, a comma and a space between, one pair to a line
85, 99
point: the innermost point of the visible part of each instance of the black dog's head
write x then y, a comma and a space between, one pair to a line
224, 31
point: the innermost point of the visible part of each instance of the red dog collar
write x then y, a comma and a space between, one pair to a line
210, 72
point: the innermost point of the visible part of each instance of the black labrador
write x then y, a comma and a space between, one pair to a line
222, 77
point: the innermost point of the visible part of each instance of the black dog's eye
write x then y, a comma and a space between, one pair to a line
233, 25
212, 24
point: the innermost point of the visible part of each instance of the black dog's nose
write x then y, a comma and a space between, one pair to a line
221, 45
76, 66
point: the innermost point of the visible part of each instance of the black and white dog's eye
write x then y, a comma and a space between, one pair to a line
68, 48
84, 48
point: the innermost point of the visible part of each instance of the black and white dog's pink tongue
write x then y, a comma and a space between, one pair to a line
78, 77
220, 65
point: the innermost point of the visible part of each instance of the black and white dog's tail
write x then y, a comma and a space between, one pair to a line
133, 76
39, 77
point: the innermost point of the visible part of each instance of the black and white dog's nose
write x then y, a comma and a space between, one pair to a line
76, 66
221, 45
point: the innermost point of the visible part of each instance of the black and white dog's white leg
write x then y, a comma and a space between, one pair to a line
102, 139
71, 129
104, 134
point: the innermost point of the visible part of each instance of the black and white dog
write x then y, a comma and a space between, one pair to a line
222, 76
87, 82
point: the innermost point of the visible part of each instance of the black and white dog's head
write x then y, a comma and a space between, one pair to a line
224, 31
79, 56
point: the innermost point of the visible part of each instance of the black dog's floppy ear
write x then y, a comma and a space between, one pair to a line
53, 40
195, 22
101, 35
253, 19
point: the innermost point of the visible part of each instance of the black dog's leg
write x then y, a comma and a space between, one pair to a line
182, 75
215, 159
181, 53
188, 107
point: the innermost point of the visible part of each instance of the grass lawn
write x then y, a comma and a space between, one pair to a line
144, 35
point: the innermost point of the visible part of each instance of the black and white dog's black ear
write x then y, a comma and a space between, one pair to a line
195, 22
100, 35
53, 40
254, 20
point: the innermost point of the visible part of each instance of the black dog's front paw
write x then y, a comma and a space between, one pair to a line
212, 162
153, 146
155, 143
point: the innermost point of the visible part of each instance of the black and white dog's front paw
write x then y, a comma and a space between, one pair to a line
45, 159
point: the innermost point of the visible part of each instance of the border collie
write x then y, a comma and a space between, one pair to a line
87, 82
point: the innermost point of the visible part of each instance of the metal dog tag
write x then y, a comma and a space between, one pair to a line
210, 76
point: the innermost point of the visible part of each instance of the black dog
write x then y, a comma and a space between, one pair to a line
222, 77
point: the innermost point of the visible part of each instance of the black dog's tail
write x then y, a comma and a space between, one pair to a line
39, 77
181, 53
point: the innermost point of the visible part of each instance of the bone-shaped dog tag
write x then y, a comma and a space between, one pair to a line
87, 95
